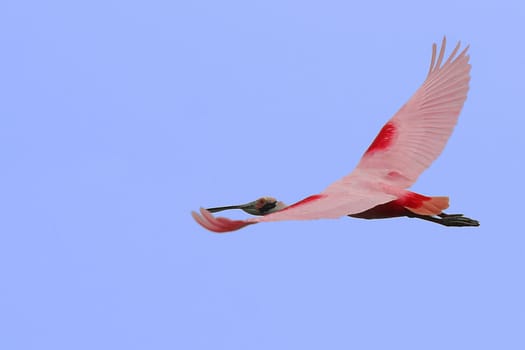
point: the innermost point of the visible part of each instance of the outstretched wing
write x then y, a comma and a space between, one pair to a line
326, 205
416, 135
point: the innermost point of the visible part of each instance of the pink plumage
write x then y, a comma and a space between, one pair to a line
407, 145
424, 124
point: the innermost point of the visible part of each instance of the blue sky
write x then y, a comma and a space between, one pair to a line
120, 117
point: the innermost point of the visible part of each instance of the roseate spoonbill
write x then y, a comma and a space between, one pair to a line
377, 188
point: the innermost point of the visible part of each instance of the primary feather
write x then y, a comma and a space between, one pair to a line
418, 132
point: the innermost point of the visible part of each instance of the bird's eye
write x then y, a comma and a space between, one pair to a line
267, 207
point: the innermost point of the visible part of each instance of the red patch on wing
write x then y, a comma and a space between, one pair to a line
412, 200
384, 139
304, 201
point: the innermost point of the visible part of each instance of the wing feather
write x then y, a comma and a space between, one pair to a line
423, 125
320, 206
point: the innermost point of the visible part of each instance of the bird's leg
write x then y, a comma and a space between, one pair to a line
447, 219
444, 215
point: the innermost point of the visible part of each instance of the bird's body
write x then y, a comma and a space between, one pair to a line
377, 188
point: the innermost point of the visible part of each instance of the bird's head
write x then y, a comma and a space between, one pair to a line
263, 206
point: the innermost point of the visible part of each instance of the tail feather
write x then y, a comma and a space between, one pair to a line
422, 205
432, 206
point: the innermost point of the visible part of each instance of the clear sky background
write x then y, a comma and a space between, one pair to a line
117, 118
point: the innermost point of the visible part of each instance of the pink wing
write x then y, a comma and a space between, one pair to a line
418, 132
219, 224
326, 205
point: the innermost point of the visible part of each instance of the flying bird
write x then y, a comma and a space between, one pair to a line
377, 188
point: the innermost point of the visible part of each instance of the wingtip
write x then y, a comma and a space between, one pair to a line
218, 224
436, 63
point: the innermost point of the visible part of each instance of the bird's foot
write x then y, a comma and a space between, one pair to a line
456, 220
449, 219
